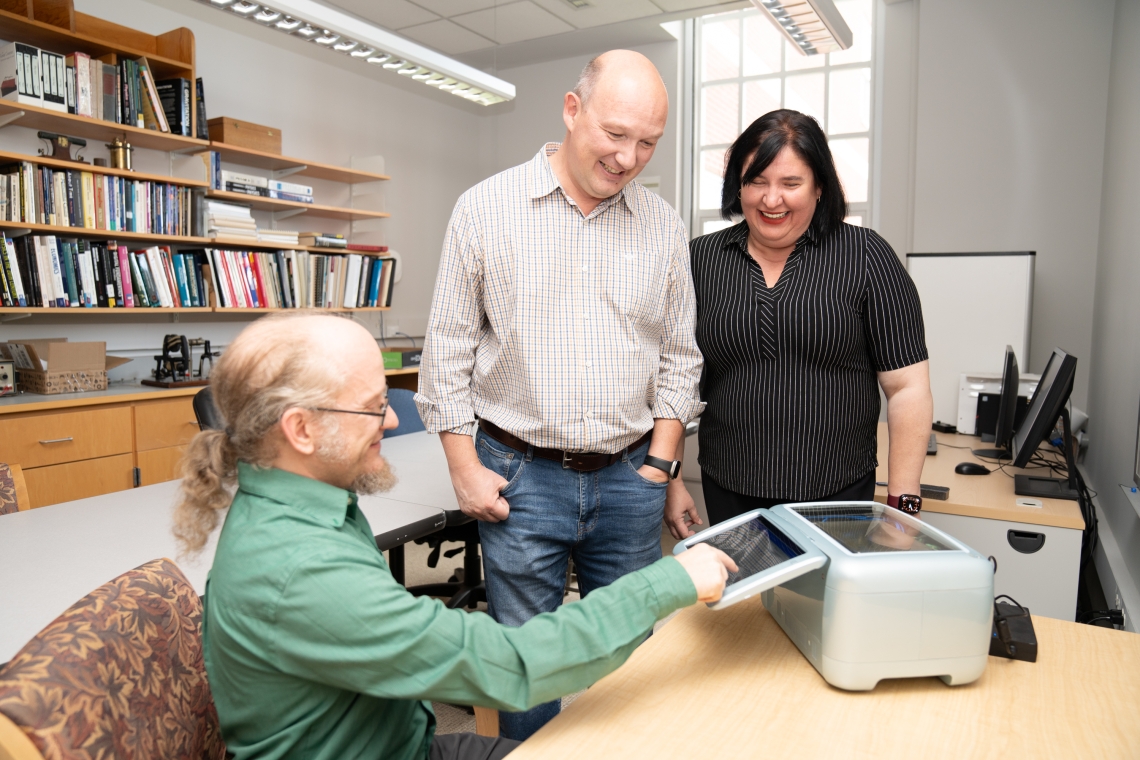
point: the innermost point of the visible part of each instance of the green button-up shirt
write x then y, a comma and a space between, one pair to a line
313, 650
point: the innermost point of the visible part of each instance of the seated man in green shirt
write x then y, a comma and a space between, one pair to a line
312, 648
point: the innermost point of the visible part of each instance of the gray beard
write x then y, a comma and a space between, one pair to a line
331, 449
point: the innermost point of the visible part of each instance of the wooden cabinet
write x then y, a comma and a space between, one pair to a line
72, 448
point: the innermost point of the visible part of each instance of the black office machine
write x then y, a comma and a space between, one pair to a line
175, 366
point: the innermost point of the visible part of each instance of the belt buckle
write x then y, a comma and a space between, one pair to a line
566, 458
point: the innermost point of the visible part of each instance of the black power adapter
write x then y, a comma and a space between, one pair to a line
1013, 635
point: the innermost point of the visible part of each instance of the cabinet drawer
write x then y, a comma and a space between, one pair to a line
79, 480
159, 424
45, 439
159, 465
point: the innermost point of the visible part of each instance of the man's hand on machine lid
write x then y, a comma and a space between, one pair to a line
708, 568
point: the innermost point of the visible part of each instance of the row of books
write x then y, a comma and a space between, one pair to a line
292, 279
123, 91
252, 184
56, 272
316, 239
74, 198
49, 271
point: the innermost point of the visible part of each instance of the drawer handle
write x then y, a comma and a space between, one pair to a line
1024, 541
59, 440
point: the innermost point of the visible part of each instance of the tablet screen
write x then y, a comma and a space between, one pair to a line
755, 546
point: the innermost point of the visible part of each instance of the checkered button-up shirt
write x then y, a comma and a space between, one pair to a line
569, 331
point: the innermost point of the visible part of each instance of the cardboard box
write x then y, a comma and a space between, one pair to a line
245, 134
53, 365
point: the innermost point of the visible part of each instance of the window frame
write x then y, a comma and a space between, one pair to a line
692, 87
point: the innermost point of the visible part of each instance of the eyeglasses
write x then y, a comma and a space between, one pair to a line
381, 414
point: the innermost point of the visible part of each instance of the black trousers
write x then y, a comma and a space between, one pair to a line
470, 747
722, 504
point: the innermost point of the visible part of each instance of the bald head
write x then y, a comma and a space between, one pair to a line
621, 67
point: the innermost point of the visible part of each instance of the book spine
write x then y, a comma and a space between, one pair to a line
12, 270
139, 284
123, 290
259, 296
6, 288
58, 270
183, 280
70, 260
43, 264
87, 297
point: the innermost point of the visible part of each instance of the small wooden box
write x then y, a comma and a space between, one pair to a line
245, 134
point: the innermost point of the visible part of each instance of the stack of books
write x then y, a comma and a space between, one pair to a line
283, 238
323, 240
251, 184
125, 92
229, 220
75, 198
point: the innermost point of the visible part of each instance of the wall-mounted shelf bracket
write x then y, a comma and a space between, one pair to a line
7, 119
282, 173
13, 317
279, 215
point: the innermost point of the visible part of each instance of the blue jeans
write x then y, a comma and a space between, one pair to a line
608, 521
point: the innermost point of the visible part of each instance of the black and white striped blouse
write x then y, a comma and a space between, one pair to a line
790, 372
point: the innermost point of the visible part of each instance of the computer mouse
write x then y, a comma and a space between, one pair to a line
971, 468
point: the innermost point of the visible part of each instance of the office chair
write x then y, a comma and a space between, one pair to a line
402, 402
13, 490
140, 628
209, 418
465, 587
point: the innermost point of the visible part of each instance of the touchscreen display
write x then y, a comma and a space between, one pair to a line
862, 529
755, 546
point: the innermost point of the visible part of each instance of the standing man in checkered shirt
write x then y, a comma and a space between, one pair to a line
561, 335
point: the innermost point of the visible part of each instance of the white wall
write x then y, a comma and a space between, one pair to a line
1011, 108
1114, 382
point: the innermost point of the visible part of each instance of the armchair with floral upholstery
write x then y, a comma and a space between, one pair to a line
120, 674
13, 491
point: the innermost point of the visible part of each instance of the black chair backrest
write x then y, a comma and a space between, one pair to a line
209, 418
402, 402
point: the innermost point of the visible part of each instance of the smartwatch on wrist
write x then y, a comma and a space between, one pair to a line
908, 503
672, 469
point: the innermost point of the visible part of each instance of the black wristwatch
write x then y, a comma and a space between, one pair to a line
672, 469
908, 503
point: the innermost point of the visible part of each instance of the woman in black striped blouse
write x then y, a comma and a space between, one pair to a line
801, 319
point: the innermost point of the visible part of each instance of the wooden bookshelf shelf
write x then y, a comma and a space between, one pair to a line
138, 310
95, 129
87, 232
273, 162
168, 53
8, 156
233, 244
315, 209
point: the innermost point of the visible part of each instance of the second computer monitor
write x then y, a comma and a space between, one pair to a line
1052, 392
1007, 404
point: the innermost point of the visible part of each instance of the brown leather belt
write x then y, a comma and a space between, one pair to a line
572, 460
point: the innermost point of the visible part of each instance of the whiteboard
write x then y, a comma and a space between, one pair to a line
973, 306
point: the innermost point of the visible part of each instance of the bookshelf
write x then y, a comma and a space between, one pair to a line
55, 25
262, 203
283, 166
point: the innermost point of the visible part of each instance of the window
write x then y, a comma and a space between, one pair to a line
744, 68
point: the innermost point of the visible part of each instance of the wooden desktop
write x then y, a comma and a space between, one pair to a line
730, 684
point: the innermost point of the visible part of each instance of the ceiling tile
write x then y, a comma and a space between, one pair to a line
446, 37
600, 12
450, 8
390, 14
513, 23
672, 6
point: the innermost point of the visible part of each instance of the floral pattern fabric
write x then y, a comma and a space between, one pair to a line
8, 503
118, 675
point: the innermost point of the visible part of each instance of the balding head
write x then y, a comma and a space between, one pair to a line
621, 66
614, 118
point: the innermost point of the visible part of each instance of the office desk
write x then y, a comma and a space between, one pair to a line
53, 556
729, 684
981, 512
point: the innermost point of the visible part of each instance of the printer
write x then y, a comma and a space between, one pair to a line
864, 591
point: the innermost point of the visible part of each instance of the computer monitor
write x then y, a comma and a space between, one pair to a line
1047, 405
1007, 409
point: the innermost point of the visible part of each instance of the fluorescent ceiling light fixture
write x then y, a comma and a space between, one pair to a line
812, 26
338, 31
